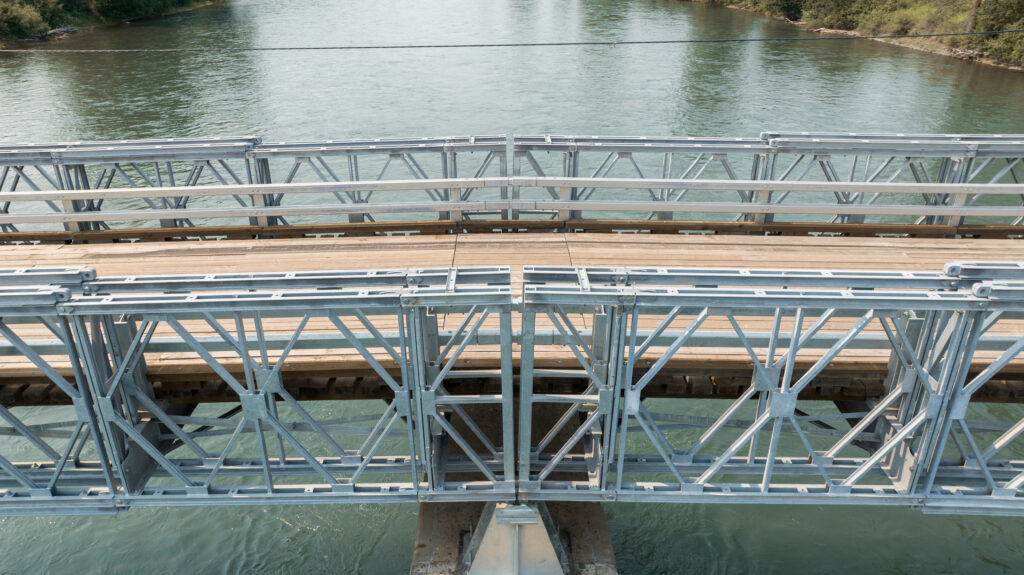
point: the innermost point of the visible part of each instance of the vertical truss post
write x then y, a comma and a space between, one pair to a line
857, 198
959, 174
764, 198
601, 345
526, 363
85, 404
263, 176
108, 347
508, 437
110, 437
134, 382
608, 346
899, 464
953, 352
71, 206
359, 198
452, 195
517, 170
424, 345
572, 170
504, 157
959, 355
408, 406
567, 194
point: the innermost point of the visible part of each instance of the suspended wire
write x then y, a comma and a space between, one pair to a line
504, 44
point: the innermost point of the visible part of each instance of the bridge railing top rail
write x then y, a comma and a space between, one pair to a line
955, 275
768, 142
906, 148
329, 279
118, 154
70, 277
447, 288
269, 302
759, 300
961, 286
126, 144
891, 136
395, 145
521, 181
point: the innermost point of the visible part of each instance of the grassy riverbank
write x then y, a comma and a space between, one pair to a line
874, 17
26, 18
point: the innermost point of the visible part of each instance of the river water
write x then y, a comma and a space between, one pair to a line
696, 89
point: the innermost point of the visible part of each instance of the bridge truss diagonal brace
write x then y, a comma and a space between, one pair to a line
931, 350
476, 432
71, 474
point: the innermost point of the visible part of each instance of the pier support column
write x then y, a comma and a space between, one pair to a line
515, 538
451, 535
446, 531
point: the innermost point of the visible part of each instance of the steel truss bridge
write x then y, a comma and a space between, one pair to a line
928, 439
788, 183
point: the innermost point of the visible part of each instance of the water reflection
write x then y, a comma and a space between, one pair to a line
693, 89
689, 89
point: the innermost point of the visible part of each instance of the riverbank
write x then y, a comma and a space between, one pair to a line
931, 45
878, 17
43, 20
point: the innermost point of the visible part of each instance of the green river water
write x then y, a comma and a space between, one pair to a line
695, 89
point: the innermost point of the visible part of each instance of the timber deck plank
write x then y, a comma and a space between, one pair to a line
514, 250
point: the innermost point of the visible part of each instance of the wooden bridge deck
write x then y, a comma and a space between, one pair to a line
515, 250
708, 372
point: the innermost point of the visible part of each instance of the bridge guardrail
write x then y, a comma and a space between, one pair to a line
925, 442
778, 156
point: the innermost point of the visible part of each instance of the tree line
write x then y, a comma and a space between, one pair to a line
20, 18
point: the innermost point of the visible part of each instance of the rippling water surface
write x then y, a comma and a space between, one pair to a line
695, 89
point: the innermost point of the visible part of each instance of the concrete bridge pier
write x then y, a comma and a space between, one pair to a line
470, 538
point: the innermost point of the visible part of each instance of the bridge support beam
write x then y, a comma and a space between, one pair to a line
454, 538
516, 538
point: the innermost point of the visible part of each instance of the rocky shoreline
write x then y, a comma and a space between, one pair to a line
55, 34
929, 45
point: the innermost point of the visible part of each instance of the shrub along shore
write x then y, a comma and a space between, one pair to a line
885, 17
44, 19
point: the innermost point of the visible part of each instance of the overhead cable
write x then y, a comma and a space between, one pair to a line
502, 44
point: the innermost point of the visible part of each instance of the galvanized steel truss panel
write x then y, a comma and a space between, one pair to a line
377, 160
55, 464
104, 165
770, 445
791, 157
818, 157
263, 446
925, 442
